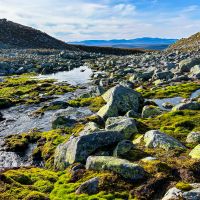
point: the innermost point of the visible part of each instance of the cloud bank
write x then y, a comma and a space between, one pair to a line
106, 19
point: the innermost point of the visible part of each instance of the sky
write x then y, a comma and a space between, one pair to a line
76, 20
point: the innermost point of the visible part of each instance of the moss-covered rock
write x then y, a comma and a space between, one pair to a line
195, 153
123, 167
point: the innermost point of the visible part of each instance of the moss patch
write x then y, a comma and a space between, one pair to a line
25, 89
27, 184
184, 186
94, 103
182, 90
176, 123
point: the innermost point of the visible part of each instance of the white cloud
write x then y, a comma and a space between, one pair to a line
86, 19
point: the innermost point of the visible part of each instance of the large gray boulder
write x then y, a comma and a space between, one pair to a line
187, 64
120, 100
125, 125
195, 72
187, 106
77, 149
157, 139
173, 194
120, 166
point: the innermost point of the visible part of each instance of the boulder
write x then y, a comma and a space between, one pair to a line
187, 64
124, 125
122, 148
150, 111
157, 139
120, 166
120, 100
164, 75
173, 194
90, 127
195, 153
77, 149
89, 187
192, 194
193, 137
195, 71
187, 106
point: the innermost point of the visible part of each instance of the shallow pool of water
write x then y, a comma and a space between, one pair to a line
76, 76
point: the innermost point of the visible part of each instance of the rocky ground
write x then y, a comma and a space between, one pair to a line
131, 132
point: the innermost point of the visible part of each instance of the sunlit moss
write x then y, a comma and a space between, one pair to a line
94, 103
183, 90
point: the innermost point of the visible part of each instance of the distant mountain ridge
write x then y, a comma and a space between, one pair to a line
145, 42
191, 43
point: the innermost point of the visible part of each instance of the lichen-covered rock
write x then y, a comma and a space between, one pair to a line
77, 149
192, 194
187, 106
89, 187
193, 137
187, 64
122, 148
173, 194
120, 100
157, 139
120, 166
124, 125
195, 153
150, 111
89, 128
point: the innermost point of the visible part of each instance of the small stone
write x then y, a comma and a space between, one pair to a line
122, 148
89, 187
193, 137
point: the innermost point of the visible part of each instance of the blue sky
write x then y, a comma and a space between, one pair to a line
75, 20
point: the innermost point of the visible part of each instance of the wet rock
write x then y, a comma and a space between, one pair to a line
193, 137
187, 106
62, 121
150, 111
122, 148
167, 105
89, 187
79, 148
120, 166
124, 125
195, 153
157, 139
1, 117
120, 100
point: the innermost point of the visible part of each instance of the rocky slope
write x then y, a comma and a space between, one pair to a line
131, 132
187, 44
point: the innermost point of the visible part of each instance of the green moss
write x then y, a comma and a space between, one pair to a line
175, 123
184, 186
182, 90
111, 187
94, 103
25, 89
27, 184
